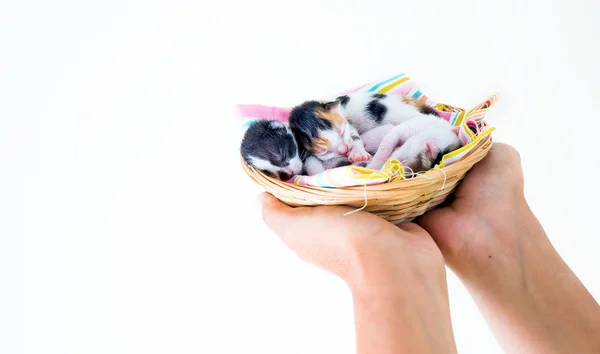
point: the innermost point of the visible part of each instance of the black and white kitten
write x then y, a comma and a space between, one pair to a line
367, 110
400, 127
270, 146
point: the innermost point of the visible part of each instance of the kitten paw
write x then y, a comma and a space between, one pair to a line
358, 156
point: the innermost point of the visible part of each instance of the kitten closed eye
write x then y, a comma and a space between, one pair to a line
270, 147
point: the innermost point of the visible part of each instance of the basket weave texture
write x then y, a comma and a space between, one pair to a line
397, 201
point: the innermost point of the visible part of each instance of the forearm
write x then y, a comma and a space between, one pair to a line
403, 309
531, 299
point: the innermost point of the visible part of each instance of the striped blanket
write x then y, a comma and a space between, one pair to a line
469, 121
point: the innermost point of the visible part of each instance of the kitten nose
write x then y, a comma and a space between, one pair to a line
343, 149
284, 176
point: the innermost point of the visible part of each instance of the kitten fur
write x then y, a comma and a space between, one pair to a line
387, 121
270, 146
366, 110
423, 142
423, 151
372, 138
325, 134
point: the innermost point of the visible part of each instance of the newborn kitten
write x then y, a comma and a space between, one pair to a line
387, 121
372, 138
325, 134
423, 142
366, 110
423, 151
270, 146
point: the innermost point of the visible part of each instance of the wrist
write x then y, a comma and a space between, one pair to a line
496, 238
392, 257
400, 295
370, 260
509, 255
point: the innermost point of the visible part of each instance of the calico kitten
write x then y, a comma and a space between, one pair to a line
270, 146
325, 134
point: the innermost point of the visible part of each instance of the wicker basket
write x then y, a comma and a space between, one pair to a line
397, 201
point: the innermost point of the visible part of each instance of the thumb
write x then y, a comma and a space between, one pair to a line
275, 214
436, 222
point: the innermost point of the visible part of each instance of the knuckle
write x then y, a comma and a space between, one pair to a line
508, 151
513, 153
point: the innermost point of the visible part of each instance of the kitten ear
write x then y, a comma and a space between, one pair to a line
455, 130
275, 124
431, 149
331, 105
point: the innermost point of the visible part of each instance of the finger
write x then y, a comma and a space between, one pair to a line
499, 174
413, 228
508, 160
506, 150
503, 158
275, 214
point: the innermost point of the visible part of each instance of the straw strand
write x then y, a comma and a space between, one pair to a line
361, 208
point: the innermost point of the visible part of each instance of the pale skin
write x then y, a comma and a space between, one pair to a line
487, 235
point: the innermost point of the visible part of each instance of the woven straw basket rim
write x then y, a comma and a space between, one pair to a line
397, 201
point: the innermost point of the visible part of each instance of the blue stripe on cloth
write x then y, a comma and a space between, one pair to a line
454, 118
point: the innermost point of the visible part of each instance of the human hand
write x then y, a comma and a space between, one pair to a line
396, 274
490, 238
489, 202
352, 244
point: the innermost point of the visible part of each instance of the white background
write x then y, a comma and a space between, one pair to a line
126, 223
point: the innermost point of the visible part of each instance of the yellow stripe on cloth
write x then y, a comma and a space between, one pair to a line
465, 148
391, 168
393, 84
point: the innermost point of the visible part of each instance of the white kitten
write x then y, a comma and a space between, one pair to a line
424, 150
400, 134
388, 121
372, 138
